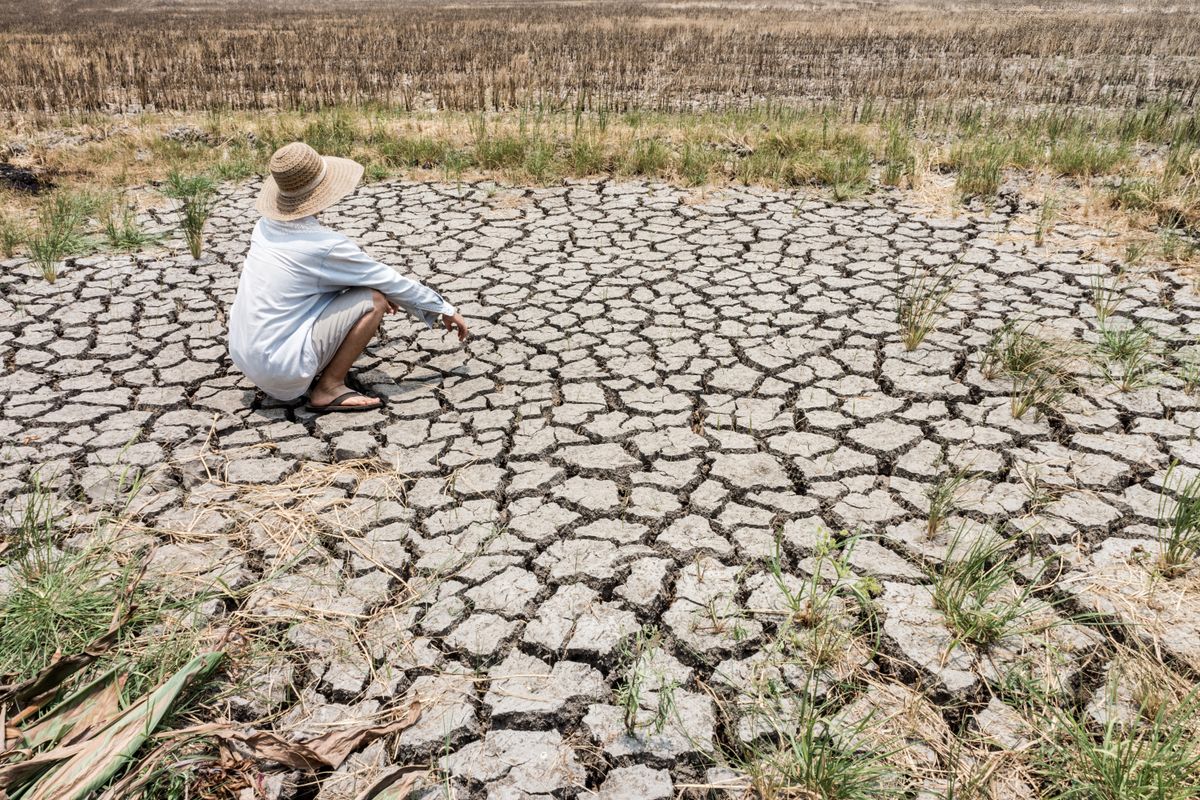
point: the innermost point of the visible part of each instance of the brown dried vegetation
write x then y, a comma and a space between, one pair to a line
413, 55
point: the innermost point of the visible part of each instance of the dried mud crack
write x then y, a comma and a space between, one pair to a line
673, 412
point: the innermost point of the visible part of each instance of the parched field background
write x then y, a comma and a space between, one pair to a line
602, 55
829, 429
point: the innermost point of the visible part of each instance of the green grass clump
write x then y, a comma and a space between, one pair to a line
1086, 157
899, 163
540, 159
1172, 198
1151, 757
121, 231
195, 194
1179, 523
237, 165
980, 167
696, 164
413, 152
920, 302
59, 233
587, 156
12, 234
769, 167
373, 172
943, 499
791, 143
807, 761
1106, 294
57, 601
1127, 356
846, 174
333, 133
1041, 369
646, 156
56, 607
1135, 194
976, 592
505, 152
1045, 221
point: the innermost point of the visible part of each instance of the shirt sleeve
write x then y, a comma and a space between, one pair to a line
346, 266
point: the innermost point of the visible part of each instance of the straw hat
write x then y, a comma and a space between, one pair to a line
304, 182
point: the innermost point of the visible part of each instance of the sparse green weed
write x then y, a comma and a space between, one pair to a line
1186, 360
818, 626
59, 232
813, 754
121, 229
195, 194
637, 685
1154, 758
943, 499
919, 305
1127, 356
12, 234
1045, 223
1106, 294
1179, 522
1040, 369
976, 592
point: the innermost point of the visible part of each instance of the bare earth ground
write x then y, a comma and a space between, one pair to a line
665, 392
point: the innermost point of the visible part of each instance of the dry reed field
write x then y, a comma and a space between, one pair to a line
92, 56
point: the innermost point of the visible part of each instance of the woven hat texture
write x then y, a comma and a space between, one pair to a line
303, 182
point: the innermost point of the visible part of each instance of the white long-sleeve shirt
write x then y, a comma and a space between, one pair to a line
292, 271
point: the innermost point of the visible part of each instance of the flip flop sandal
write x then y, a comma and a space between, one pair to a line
337, 405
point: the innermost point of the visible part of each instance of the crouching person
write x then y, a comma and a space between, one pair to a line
309, 299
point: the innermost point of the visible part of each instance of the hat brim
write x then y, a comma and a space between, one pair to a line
341, 177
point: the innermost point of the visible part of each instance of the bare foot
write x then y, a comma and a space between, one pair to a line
323, 394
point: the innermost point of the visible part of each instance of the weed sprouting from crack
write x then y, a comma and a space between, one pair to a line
1039, 492
121, 231
1106, 294
1045, 221
1127, 356
813, 751
816, 626
976, 592
943, 499
638, 684
1186, 360
195, 195
59, 233
72, 584
1179, 523
1154, 756
920, 303
1040, 369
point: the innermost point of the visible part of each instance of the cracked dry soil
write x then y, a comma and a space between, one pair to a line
662, 393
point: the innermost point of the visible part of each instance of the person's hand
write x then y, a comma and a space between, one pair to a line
456, 322
392, 308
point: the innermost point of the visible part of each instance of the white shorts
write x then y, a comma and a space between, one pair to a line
342, 313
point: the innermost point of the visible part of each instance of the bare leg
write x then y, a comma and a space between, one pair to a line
333, 379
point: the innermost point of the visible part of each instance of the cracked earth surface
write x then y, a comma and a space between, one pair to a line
663, 392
